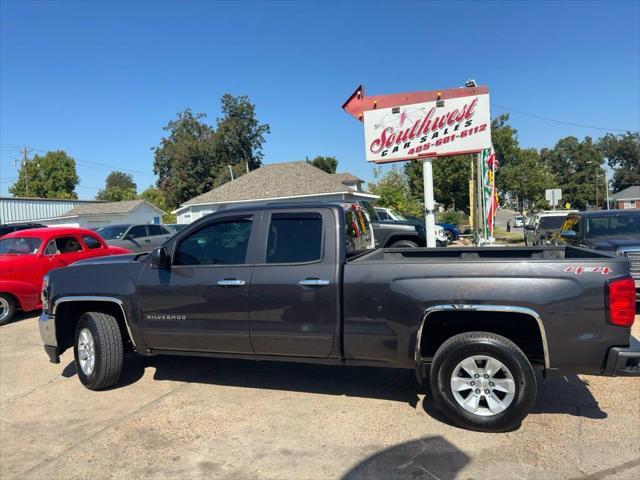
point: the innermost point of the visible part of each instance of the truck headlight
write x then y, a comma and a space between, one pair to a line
44, 293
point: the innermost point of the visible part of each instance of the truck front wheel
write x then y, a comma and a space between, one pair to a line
482, 381
98, 350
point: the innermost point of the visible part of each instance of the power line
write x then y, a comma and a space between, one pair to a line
540, 117
92, 164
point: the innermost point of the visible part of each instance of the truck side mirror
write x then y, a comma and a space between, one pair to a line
160, 258
568, 234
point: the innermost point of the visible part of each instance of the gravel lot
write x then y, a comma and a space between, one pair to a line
207, 418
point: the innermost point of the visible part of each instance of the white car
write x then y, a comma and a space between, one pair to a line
518, 221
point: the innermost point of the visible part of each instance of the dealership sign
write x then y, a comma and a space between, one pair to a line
431, 129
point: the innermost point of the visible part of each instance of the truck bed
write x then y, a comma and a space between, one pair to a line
429, 255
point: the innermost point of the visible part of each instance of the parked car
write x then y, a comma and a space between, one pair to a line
449, 230
27, 255
295, 282
518, 221
392, 231
16, 227
176, 227
613, 231
137, 238
540, 229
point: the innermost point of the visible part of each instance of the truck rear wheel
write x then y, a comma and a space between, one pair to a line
98, 350
482, 381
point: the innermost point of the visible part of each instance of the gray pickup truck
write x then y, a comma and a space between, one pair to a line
304, 283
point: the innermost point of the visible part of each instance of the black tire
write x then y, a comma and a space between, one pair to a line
462, 346
404, 244
449, 235
108, 350
8, 308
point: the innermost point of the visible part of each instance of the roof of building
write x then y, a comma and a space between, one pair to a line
278, 180
347, 177
629, 193
123, 207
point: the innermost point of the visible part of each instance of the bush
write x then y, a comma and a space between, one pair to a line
453, 216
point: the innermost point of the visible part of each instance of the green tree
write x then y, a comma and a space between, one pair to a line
157, 197
450, 181
194, 157
504, 139
527, 176
238, 139
328, 164
118, 186
52, 175
394, 192
185, 158
577, 167
623, 156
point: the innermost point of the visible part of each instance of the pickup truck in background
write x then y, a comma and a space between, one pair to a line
616, 232
303, 283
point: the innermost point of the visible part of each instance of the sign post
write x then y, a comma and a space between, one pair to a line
423, 126
429, 203
553, 196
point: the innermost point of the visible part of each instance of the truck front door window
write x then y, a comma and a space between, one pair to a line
223, 243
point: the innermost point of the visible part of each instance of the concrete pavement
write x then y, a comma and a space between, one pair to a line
184, 418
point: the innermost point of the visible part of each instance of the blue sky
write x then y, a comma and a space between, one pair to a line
100, 80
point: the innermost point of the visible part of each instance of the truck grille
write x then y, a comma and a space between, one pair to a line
634, 257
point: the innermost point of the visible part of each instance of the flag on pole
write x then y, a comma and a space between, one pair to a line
489, 164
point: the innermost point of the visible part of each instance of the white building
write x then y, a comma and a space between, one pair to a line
97, 214
278, 182
108, 213
30, 209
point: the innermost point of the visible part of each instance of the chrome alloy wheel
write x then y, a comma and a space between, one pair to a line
86, 351
4, 309
482, 385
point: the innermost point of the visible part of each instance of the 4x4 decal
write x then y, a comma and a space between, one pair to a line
579, 269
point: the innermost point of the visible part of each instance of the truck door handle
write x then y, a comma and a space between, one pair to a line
313, 282
231, 282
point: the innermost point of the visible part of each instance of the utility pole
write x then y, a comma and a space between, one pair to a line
606, 186
23, 164
596, 187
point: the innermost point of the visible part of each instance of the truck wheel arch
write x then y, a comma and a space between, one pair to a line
498, 313
67, 312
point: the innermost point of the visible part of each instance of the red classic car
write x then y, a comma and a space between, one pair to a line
26, 256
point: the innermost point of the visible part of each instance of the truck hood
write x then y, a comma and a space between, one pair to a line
126, 258
614, 243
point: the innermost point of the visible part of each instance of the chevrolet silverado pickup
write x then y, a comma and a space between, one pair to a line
305, 283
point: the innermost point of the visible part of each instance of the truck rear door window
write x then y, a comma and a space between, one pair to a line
294, 238
221, 243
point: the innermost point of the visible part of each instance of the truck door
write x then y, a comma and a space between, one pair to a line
201, 303
294, 306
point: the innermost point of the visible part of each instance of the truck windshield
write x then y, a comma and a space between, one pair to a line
549, 223
19, 246
620, 224
113, 232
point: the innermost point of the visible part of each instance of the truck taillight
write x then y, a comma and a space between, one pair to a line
622, 301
